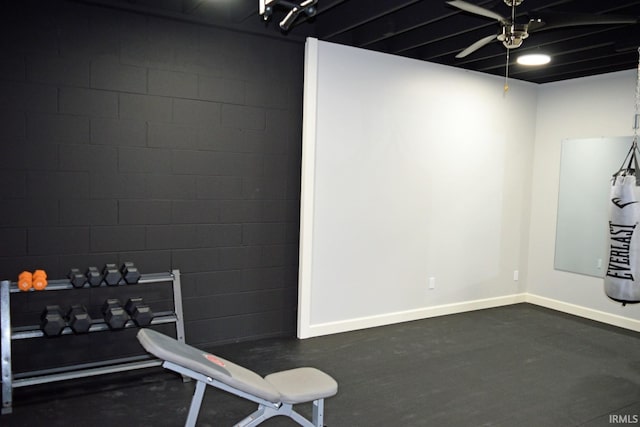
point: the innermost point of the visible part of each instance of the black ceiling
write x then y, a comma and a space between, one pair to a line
433, 31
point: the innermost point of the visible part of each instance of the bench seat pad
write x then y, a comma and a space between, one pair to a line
301, 385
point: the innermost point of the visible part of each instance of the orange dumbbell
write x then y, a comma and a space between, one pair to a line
39, 280
25, 281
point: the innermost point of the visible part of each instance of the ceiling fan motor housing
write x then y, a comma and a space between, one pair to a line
513, 35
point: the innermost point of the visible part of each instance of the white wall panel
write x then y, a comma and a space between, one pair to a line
411, 170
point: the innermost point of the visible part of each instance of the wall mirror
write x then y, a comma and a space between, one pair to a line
586, 168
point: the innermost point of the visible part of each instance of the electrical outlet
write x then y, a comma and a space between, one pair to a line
432, 282
516, 275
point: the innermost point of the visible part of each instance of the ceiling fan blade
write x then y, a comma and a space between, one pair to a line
477, 45
550, 20
478, 10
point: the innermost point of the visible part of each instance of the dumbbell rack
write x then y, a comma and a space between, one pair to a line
11, 381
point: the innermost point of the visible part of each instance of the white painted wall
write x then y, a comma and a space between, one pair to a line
581, 108
411, 170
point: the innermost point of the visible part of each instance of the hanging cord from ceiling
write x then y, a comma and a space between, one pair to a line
506, 74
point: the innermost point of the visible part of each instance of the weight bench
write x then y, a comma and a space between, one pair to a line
275, 394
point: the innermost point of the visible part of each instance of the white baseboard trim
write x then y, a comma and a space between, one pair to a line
461, 307
407, 316
587, 313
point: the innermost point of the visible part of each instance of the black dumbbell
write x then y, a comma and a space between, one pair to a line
93, 276
113, 313
130, 273
76, 278
139, 311
111, 275
79, 319
52, 321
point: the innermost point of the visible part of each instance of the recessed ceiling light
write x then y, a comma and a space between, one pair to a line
534, 59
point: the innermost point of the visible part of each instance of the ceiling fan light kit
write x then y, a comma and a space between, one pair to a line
534, 59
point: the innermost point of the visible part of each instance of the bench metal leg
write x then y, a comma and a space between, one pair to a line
265, 412
196, 401
318, 413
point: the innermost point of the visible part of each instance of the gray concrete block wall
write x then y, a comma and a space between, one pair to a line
173, 145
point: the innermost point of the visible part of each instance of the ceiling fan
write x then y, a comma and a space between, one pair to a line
513, 33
